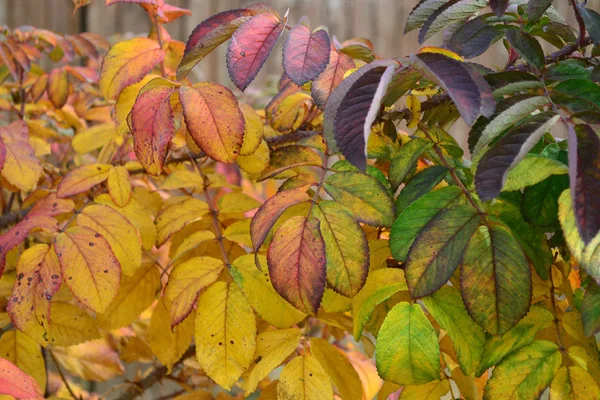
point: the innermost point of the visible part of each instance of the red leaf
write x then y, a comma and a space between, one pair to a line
305, 54
152, 125
17, 383
339, 64
250, 47
296, 261
208, 35
214, 120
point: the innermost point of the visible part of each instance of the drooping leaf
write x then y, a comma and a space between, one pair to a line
363, 195
493, 167
177, 214
330, 78
420, 184
381, 285
89, 266
82, 179
16, 383
525, 373
469, 92
590, 309
406, 159
577, 94
527, 46
261, 295
591, 20
38, 279
208, 35
337, 366
152, 124
136, 293
272, 348
533, 169
495, 279
250, 47
353, 107
346, 248
25, 354
21, 167
297, 262
270, 211
574, 383
584, 174
214, 119
58, 87
186, 281
126, 63
449, 13
303, 378
438, 249
225, 333
407, 349
305, 53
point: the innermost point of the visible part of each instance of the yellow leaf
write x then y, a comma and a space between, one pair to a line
303, 378
239, 232
260, 293
135, 295
118, 231
82, 179
272, 348
429, 391
93, 138
138, 215
92, 361
25, 353
182, 179
119, 186
126, 63
38, 128
177, 214
292, 112
574, 383
125, 103
225, 333
237, 203
413, 103
21, 167
189, 242
379, 252
89, 266
40, 146
38, 279
169, 345
365, 367
70, 325
256, 162
339, 369
150, 200
133, 349
439, 50
253, 132
186, 281
4, 320
197, 395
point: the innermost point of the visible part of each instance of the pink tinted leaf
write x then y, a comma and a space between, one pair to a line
250, 47
2, 153
16, 383
332, 76
305, 53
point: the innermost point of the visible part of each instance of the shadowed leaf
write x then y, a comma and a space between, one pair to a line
450, 12
421, 12
305, 53
527, 46
537, 8
591, 19
331, 77
590, 309
338, 367
304, 378
420, 184
499, 6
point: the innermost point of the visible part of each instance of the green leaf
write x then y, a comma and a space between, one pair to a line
532, 170
380, 286
404, 80
537, 8
527, 46
468, 338
420, 184
406, 159
407, 348
495, 279
590, 309
346, 248
451, 12
592, 22
439, 248
498, 347
421, 12
574, 383
508, 118
569, 226
525, 373
577, 94
568, 70
363, 195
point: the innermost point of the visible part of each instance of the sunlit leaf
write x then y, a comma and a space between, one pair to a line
177, 214
16, 383
70, 325
82, 179
303, 378
93, 138
21, 167
574, 383
24, 353
590, 309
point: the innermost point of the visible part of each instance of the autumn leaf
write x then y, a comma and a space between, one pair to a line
296, 261
176, 214
119, 186
82, 179
92, 361
331, 77
305, 53
214, 120
21, 168
25, 353
16, 383
304, 378
89, 267
338, 367
128, 62
250, 46
58, 87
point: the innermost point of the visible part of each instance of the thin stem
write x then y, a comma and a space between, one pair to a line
554, 311
214, 212
10, 202
157, 27
324, 170
21, 94
62, 376
580, 22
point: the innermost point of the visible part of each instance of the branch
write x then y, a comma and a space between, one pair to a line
156, 376
580, 22
559, 54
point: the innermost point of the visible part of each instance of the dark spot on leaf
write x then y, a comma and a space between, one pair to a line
91, 244
106, 271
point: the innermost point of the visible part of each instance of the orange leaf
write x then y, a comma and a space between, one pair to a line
58, 87
296, 261
82, 179
214, 120
9, 60
21, 167
126, 63
89, 267
16, 383
152, 124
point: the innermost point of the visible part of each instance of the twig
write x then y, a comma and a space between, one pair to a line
580, 22
556, 325
62, 376
160, 43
